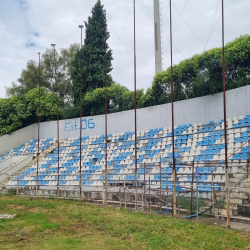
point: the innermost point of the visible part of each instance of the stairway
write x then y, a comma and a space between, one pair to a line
34, 161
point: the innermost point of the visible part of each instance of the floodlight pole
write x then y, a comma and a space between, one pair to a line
172, 97
136, 184
225, 117
58, 168
80, 172
106, 119
38, 137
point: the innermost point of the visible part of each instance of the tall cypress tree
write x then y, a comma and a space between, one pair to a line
93, 53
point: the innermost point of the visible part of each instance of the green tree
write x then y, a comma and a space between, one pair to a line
29, 78
21, 110
64, 68
48, 105
13, 113
202, 74
93, 56
119, 99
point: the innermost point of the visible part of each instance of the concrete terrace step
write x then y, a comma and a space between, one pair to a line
244, 210
41, 156
241, 219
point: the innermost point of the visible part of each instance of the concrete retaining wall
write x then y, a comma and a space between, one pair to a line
17, 138
202, 109
6, 163
12, 165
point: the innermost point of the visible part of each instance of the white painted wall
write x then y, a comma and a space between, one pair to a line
202, 109
13, 164
17, 138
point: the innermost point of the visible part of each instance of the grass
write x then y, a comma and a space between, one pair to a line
52, 224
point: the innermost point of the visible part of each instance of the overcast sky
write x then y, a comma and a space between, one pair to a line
30, 26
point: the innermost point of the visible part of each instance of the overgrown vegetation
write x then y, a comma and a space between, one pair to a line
197, 76
52, 224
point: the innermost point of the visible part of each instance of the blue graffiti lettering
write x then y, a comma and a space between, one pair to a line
85, 124
91, 123
66, 128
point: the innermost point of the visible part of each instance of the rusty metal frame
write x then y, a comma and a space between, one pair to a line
80, 171
58, 135
38, 115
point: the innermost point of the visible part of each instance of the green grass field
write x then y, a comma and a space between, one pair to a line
52, 224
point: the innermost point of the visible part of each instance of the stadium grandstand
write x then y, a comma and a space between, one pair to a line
199, 154
189, 157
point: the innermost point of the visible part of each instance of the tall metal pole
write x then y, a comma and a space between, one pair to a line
172, 97
160, 183
58, 144
157, 30
144, 188
80, 172
192, 190
136, 203
106, 119
39, 109
225, 116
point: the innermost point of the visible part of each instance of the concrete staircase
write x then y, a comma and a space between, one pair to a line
239, 192
34, 161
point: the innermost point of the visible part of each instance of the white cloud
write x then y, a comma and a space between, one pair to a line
31, 26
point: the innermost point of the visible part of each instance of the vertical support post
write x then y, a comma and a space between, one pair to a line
80, 170
160, 186
106, 118
125, 203
103, 194
149, 195
212, 177
38, 115
225, 117
58, 142
167, 197
136, 198
17, 187
172, 97
192, 190
120, 193
178, 195
197, 199
144, 187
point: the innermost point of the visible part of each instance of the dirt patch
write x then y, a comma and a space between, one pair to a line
37, 210
11, 206
53, 220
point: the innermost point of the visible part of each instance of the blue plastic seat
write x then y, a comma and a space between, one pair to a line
209, 158
203, 158
245, 150
210, 152
236, 157
245, 139
244, 156
244, 134
196, 158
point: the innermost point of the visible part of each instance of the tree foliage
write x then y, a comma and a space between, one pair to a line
93, 56
22, 110
119, 99
29, 78
202, 74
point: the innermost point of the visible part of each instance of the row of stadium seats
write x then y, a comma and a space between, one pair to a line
204, 144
